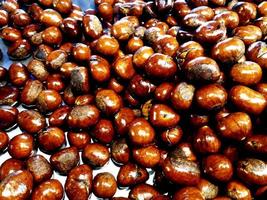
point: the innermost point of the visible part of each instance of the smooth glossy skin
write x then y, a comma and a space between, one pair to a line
8, 116
206, 141
83, 116
120, 151
107, 45
92, 26
141, 56
18, 74
190, 193
95, 155
21, 146
16, 186
252, 171
108, 101
181, 171
4, 141
50, 189
172, 136
79, 183
104, 185
147, 156
78, 139
51, 139
9, 166
246, 73
211, 97
247, 100
202, 69
218, 167
256, 143
103, 131
237, 190
143, 191
256, 52
123, 67
161, 115
65, 159
141, 132
248, 34
160, 66
228, 50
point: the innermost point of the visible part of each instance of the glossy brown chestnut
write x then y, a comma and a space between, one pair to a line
228, 50
246, 73
96, 155
248, 34
81, 52
92, 26
104, 185
21, 146
160, 66
18, 74
8, 116
79, 182
40, 168
50, 17
123, 119
141, 56
48, 100
108, 101
31, 91
123, 67
143, 191
78, 139
237, 190
252, 171
52, 35
10, 166
17, 185
122, 29
207, 189
63, 6
3, 18
31, 121
83, 116
256, 52
218, 167
19, 50
141, 132
247, 100
163, 116
103, 131
10, 34
65, 159
120, 151
181, 171
211, 97
256, 143
246, 11
4, 141
58, 117
190, 193
50, 189
202, 69
51, 139
206, 141
148, 157
107, 45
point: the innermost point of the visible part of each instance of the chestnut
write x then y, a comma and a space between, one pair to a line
143, 191
103, 131
81, 52
79, 80
50, 17
247, 100
17, 185
4, 141
78, 139
120, 151
246, 11
96, 155
104, 185
189, 193
71, 28
65, 159
92, 26
52, 35
235, 126
256, 52
211, 97
248, 34
161, 115
79, 182
252, 171
141, 132
107, 45
10, 34
108, 101
160, 66
31, 121
202, 69
99, 68
19, 50
51, 189
246, 73
30, 92
21, 146
123, 67
237, 190
63, 6
141, 56
228, 50
40, 168
8, 116
10, 166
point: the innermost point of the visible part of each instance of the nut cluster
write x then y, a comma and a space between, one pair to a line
177, 88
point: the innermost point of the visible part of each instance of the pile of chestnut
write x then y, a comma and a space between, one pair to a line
176, 90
